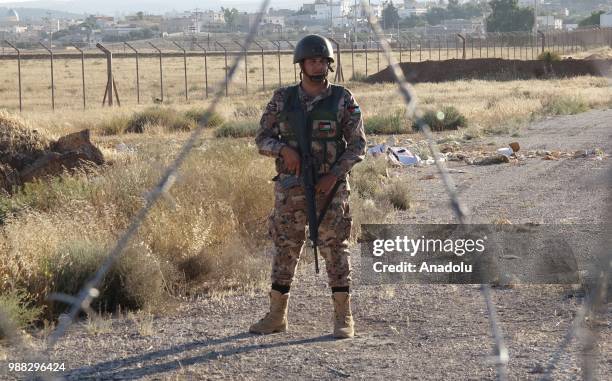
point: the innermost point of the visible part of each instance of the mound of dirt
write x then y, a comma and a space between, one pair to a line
26, 154
493, 69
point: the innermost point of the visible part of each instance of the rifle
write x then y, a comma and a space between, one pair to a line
309, 175
308, 180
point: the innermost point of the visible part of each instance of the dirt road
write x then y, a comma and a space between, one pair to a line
419, 332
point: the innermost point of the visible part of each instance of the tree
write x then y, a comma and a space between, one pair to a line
436, 15
507, 16
390, 17
140, 15
230, 16
413, 21
593, 19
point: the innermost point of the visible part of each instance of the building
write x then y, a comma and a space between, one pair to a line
412, 11
212, 17
549, 23
104, 22
605, 20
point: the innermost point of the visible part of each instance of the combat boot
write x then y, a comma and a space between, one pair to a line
276, 319
344, 327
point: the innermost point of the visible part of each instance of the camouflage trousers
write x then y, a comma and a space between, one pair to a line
287, 225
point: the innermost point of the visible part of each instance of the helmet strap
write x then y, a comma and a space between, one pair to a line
316, 78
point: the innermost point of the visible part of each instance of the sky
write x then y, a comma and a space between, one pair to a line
152, 6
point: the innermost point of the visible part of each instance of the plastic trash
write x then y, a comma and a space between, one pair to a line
377, 149
404, 156
506, 151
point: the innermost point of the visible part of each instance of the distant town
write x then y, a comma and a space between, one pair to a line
341, 18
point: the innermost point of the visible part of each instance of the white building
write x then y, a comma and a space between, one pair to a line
211, 17
409, 12
549, 23
605, 20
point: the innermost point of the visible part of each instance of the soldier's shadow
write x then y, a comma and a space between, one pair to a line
137, 366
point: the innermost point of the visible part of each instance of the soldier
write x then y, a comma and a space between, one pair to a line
338, 142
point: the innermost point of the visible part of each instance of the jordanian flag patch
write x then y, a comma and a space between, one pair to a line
325, 126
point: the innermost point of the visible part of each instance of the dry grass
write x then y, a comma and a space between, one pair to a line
68, 88
213, 236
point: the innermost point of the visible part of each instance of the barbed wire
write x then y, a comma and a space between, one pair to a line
89, 291
595, 298
82, 301
460, 211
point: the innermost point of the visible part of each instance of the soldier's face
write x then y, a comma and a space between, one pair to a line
315, 65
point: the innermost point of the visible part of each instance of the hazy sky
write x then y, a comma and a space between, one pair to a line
113, 6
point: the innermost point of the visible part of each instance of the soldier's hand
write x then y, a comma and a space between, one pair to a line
326, 183
291, 159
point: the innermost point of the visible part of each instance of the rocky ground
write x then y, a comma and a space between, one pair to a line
420, 332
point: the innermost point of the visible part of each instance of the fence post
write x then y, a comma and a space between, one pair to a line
463, 43
339, 73
246, 67
82, 72
184, 66
294, 65
111, 87
278, 54
225, 55
365, 44
410, 50
52, 79
399, 45
137, 73
472, 43
420, 50
377, 55
161, 72
353, 56
494, 46
448, 48
18, 72
263, 74
543, 40
205, 69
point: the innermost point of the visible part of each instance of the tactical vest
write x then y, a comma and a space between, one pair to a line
327, 142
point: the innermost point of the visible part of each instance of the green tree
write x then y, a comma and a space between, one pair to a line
140, 15
507, 16
436, 15
592, 20
390, 16
413, 21
230, 16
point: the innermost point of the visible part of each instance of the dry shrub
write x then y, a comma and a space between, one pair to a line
374, 197
16, 136
394, 123
448, 118
16, 306
202, 116
64, 228
237, 129
563, 105
166, 117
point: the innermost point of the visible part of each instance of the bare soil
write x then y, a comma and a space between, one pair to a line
419, 332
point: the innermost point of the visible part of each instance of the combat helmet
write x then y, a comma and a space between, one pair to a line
313, 45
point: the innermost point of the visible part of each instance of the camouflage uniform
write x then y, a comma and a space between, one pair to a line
289, 217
